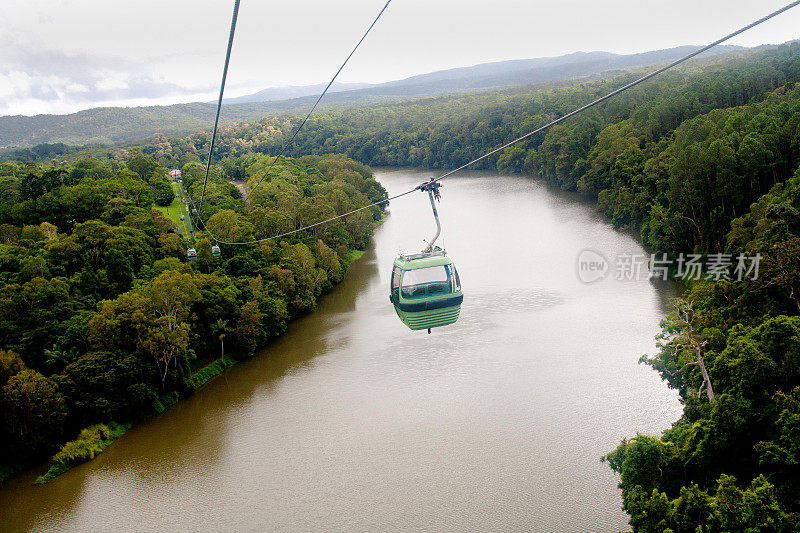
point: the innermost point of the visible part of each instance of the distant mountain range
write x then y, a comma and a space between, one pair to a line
124, 124
294, 91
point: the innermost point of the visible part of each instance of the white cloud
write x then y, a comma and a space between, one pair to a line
111, 81
60, 56
13, 83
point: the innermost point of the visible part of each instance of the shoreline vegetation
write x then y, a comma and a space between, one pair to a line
90, 443
103, 318
63, 462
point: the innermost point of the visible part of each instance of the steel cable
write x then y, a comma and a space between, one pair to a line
529, 134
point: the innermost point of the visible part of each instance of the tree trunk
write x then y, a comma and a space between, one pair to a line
164, 377
706, 378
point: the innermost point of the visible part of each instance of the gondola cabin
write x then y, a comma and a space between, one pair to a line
216, 251
191, 253
426, 290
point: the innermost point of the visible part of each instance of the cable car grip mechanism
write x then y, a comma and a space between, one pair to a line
432, 188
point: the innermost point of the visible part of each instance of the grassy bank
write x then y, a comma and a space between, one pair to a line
91, 442
355, 255
205, 373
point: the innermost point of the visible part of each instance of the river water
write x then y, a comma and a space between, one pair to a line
352, 422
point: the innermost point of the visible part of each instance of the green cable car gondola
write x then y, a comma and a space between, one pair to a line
425, 288
191, 253
216, 251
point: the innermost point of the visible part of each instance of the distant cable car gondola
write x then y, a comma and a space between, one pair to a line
191, 253
216, 251
426, 289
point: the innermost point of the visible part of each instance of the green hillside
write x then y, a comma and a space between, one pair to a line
118, 124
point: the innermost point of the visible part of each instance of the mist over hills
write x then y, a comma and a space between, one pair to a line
120, 124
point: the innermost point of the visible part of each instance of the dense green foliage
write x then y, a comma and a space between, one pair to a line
732, 462
101, 317
679, 156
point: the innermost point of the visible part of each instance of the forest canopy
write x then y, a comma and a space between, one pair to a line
103, 319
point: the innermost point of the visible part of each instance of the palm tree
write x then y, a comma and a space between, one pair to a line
219, 328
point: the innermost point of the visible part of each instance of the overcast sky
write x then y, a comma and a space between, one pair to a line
60, 56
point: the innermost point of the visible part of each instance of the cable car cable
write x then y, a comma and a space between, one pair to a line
292, 232
297, 130
625, 87
529, 134
221, 91
303, 123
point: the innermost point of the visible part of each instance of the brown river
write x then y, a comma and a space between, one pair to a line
351, 422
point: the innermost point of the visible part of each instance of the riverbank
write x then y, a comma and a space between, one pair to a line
197, 380
90, 443
200, 376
